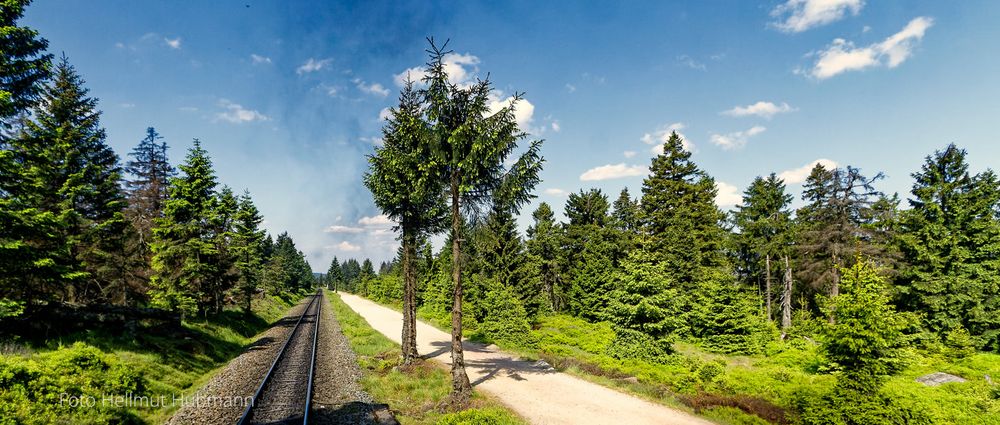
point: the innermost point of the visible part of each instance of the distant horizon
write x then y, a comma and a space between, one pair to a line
753, 87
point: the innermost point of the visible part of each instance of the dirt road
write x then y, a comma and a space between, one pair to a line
541, 395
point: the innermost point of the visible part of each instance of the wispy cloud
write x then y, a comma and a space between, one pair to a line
554, 191
344, 246
659, 137
336, 228
375, 220
313, 65
842, 55
173, 43
570, 88
461, 69
762, 109
237, 114
258, 59
799, 175
371, 88
689, 62
736, 139
800, 15
630, 154
613, 171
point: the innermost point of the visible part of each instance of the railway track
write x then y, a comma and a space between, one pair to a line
284, 394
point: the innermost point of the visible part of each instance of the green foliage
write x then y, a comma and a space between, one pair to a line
633, 344
500, 257
645, 299
846, 407
730, 320
866, 342
949, 237
544, 242
960, 344
506, 322
485, 416
25, 62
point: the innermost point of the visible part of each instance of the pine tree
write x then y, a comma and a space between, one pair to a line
950, 236
544, 243
626, 213
366, 277
765, 237
247, 248
24, 65
680, 219
71, 172
224, 274
335, 275
182, 245
501, 259
645, 299
470, 145
407, 191
591, 250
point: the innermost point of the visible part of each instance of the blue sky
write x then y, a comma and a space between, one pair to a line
287, 96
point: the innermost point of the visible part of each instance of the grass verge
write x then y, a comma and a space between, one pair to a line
41, 380
417, 394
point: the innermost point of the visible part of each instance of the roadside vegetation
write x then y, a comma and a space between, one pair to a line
418, 392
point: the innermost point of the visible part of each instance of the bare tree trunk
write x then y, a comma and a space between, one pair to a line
409, 336
767, 284
786, 300
461, 389
834, 285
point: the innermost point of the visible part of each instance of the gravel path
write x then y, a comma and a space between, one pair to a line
337, 396
221, 400
537, 393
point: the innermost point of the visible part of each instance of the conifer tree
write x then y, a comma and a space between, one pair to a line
24, 64
544, 247
680, 218
950, 237
591, 252
247, 248
182, 245
470, 145
765, 237
335, 275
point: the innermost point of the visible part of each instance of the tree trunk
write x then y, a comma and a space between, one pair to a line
409, 336
786, 300
767, 284
834, 285
461, 389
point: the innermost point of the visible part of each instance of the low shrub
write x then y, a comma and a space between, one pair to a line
481, 416
632, 344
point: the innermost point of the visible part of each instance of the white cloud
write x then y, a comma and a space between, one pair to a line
555, 126
761, 109
174, 43
236, 113
523, 110
345, 246
805, 14
384, 114
555, 192
127, 105
727, 195
736, 139
461, 70
660, 136
570, 88
842, 55
313, 65
336, 228
691, 63
330, 90
613, 171
630, 154
371, 88
798, 175
376, 220
258, 59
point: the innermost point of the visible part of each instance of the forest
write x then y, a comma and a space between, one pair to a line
850, 290
828, 313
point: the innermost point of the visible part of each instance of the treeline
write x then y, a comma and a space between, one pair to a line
78, 227
850, 266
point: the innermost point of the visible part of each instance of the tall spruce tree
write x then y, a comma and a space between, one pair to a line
335, 275
72, 173
680, 219
544, 247
24, 64
182, 243
590, 247
765, 238
247, 248
950, 237
405, 189
471, 144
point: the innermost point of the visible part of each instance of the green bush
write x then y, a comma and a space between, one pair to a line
632, 344
844, 406
960, 343
484, 416
506, 321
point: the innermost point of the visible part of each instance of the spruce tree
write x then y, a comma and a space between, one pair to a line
544, 247
335, 275
591, 250
680, 219
950, 237
470, 146
24, 64
501, 259
182, 243
247, 248
765, 237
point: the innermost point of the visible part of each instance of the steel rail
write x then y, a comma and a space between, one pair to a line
245, 417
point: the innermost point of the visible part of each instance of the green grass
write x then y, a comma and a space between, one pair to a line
417, 394
152, 363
